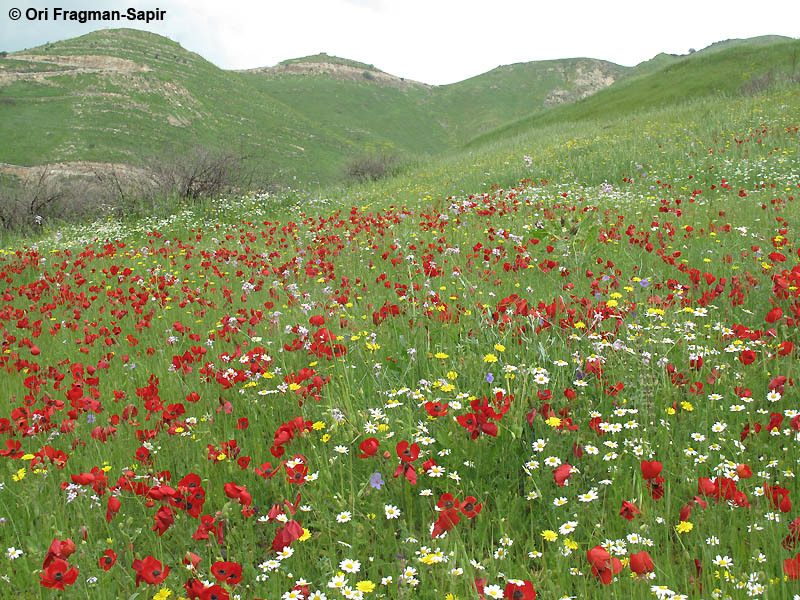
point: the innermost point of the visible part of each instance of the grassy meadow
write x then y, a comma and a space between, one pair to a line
560, 363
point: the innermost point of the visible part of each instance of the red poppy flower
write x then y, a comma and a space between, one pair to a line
747, 356
150, 570
164, 518
214, 592
368, 447
58, 549
446, 521
266, 470
651, 469
656, 487
520, 592
744, 471
108, 559
286, 535
112, 508
628, 510
561, 473
436, 409
469, 508
227, 572
641, 563
778, 497
57, 574
791, 566
604, 567
775, 313
191, 559
407, 452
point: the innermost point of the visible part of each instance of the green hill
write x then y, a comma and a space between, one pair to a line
738, 68
127, 96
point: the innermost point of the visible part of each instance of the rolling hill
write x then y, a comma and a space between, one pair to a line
132, 97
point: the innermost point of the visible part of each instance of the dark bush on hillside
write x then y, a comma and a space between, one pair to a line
26, 204
200, 174
372, 167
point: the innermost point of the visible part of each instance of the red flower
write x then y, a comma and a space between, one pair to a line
150, 570
651, 470
164, 518
641, 563
58, 573
775, 313
436, 409
214, 592
520, 592
407, 453
368, 447
603, 566
108, 559
656, 487
112, 508
562, 473
743, 471
227, 572
469, 508
791, 566
628, 510
747, 357
286, 535
58, 549
778, 497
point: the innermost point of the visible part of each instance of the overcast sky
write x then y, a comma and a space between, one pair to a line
434, 41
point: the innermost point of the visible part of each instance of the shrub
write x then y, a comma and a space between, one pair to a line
372, 167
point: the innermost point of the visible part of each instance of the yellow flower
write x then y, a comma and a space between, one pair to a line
580, 325
450, 597
163, 594
549, 535
684, 527
441, 355
28, 456
571, 544
326, 437
19, 475
490, 358
553, 421
318, 425
365, 586
306, 535
687, 406
499, 347
451, 375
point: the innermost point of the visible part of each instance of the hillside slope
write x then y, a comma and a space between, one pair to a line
739, 68
128, 96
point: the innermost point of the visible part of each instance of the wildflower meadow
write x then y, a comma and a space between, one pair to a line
563, 365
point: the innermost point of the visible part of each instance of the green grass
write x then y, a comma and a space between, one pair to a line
189, 267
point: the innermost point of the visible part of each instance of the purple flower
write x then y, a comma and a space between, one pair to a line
376, 481
90, 418
489, 377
